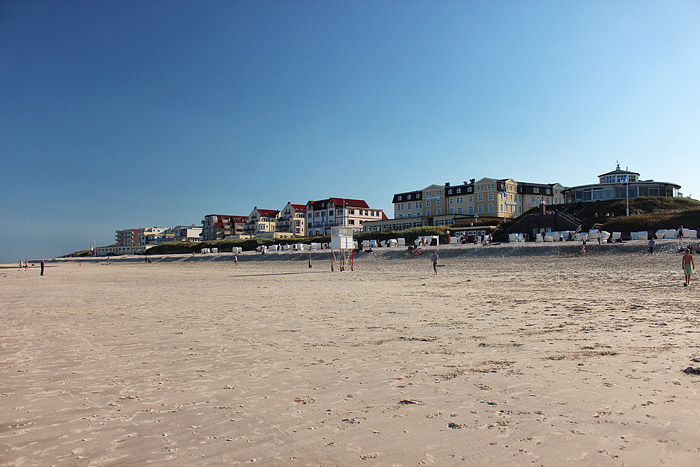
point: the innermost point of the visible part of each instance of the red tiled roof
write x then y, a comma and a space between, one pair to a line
299, 207
268, 212
353, 203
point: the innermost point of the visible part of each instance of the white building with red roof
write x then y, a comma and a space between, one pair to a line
342, 212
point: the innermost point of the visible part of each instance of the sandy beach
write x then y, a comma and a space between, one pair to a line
530, 355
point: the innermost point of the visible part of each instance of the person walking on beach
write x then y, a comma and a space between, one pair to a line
688, 265
583, 247
42, 267
651, 246
434, 259
680, 235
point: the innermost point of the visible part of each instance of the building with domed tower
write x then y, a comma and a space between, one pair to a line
620, 184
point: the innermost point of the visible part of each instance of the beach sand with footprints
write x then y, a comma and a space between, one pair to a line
526, 355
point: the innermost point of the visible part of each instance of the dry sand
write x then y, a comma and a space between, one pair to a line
528, 355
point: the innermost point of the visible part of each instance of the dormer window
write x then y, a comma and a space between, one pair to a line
459, 190
400, 198
408, 197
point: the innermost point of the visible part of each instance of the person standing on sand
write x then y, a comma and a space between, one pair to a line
42, 267
688, 265
651, 246
583, 247
434, 259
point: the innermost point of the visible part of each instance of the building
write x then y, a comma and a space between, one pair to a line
338, 212
151, 235
128, 236
261, 221
619, 184
485, 199
186, 233
218, 226
292, 220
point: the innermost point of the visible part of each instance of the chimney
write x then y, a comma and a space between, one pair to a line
447, 184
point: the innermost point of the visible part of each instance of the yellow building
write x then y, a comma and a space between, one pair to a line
261, 221
292, 220
487, 198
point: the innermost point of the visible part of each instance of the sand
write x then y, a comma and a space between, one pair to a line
527, 355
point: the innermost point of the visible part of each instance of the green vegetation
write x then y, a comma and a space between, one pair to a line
79, 254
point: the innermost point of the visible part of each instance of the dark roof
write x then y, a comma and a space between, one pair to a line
416, 194
347, 202
619, 171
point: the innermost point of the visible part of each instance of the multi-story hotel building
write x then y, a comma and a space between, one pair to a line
620, 184
128, 236
487, 198
217, 226
292, 220
343, 212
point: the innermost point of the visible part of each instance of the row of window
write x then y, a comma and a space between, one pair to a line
490, 208
339, 213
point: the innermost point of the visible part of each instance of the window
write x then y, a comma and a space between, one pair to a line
450, 202
470, 210
490, 207
469, 189
419, 204
427, 203
438, 202
438, 193
427, 212
408, 205
438, 212
459, 190
459, 200
459, 210
490, 196
480, 197
471, 199
449, 192
451, 211
400, 198
535, 190
480, 188
408, 197
428, 194
351, 222
489, 186
481, 208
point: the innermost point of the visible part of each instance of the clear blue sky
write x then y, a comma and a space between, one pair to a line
126, 114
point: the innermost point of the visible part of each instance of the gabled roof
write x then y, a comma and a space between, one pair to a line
267, 212
347, 202
298, 207
353, 203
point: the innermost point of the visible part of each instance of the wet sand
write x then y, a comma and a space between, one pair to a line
510, 356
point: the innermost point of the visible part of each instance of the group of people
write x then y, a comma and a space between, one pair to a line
24, 266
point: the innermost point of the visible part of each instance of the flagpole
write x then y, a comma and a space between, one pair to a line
627, 178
